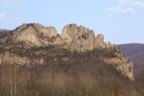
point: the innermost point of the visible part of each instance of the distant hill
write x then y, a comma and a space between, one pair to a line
4, 32
135, 53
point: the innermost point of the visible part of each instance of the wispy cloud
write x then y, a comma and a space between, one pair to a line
139, 3
2, 15
121, 10
14, 1
126, 6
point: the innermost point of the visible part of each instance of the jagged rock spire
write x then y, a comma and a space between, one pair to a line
78, 37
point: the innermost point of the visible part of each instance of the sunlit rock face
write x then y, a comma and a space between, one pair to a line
78, 37
32, 35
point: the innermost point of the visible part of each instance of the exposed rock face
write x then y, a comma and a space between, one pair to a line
99, 41
122, 64
78, 38
32, 35
73, 38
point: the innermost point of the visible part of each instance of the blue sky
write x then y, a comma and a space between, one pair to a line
121, 21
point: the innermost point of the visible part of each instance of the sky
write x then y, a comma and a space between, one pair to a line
120, 21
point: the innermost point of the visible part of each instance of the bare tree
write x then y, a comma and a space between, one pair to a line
13, 79
1, 76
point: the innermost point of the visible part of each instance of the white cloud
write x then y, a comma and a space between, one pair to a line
124, 2
14, 1
126, 6
2, 15
121, 10
139, 3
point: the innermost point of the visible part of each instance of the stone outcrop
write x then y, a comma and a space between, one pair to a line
122, 64
78, 38
99, 41
73, 38
32, 35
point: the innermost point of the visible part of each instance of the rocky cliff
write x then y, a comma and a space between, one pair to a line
29, 44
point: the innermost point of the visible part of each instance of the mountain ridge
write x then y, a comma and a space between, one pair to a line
133, 50
73, 38
36, 61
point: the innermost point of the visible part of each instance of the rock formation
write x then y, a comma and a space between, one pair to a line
78, 38
99, 41
16, 45
32, 35
73, 37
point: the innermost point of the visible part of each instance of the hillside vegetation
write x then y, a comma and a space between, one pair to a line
70, 74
